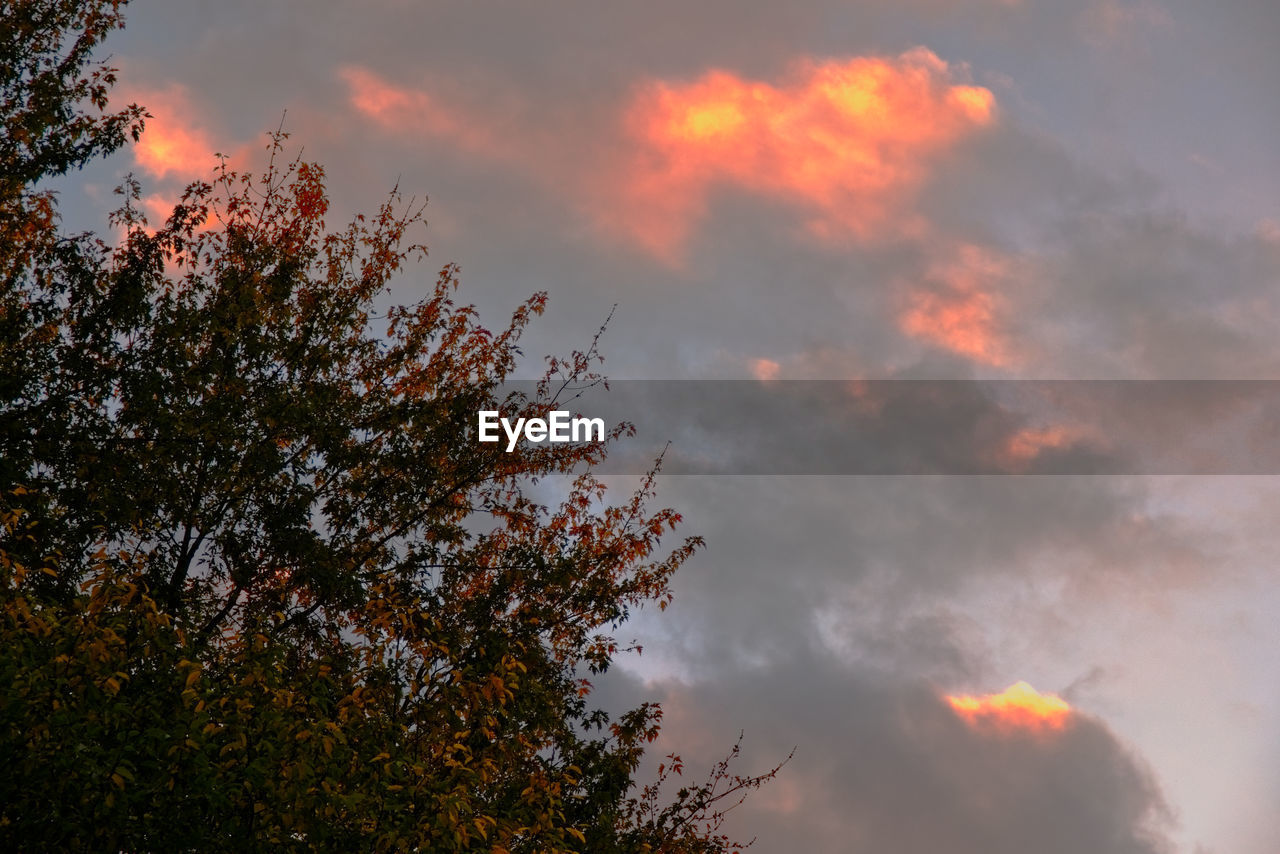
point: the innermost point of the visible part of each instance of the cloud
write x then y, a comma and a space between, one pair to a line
1151, 294
916, 426
847, 142
1025, 447
176, 142
413, 111
960, 321
1017, 708
1106, 22
765, 369
959, 306
178, 146
882, 763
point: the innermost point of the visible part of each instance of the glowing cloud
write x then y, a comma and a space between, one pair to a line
846, 142
765, 370
174, 142
960, 309
849, 142
1018, 708
1024, 446
397, 109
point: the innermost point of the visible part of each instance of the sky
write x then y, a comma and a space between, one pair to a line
1049, 652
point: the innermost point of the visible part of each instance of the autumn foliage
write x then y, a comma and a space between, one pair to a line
257, 589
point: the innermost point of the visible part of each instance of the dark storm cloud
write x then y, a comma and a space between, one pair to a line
1152, 295
886, 568
883, 764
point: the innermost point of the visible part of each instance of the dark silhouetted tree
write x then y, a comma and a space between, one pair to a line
258, 588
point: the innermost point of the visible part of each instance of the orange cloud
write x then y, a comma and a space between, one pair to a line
395, 108
960, 309
174, 142
765, 370
157, 207
849, 142
1024, 446
1018, 708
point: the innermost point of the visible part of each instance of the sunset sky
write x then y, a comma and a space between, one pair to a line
1078, 663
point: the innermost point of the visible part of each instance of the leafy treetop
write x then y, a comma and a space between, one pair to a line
258, 590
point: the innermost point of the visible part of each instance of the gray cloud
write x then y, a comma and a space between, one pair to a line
1149, 294
892, 564
882, 764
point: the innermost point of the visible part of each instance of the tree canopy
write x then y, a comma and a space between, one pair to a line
258, 588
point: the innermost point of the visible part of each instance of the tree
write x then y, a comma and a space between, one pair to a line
257, 588
53, 100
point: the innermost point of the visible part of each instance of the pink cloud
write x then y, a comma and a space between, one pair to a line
1019, 708
402, 110
765, 370
960, 307
175, 143
848, 142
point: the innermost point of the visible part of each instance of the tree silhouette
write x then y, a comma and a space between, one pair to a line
258, 588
